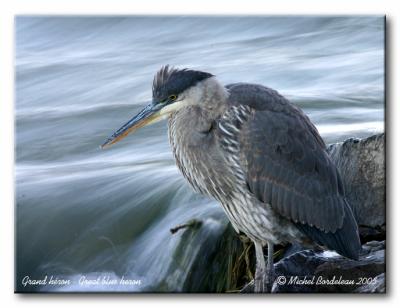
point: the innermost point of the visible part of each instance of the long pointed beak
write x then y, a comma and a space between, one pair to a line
150, 114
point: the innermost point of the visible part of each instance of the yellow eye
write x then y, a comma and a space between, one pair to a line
172, 97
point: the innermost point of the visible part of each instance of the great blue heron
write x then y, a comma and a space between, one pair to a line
259, 156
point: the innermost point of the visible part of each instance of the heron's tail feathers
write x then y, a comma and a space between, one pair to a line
345, 241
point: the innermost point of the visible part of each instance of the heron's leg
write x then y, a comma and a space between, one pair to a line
259, 281
270, 267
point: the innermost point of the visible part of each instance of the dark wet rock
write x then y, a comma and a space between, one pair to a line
361, 162
368, 234
310, 271
196, 251
327, 272
234, 262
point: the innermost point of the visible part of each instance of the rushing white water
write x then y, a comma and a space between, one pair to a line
86, 212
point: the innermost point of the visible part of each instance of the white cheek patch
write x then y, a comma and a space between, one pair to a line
172, 107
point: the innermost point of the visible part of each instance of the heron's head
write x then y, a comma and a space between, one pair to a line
173, 89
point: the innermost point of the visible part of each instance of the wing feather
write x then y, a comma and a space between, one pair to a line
291, 164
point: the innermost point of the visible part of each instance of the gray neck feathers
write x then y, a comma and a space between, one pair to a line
201, 105
208, 95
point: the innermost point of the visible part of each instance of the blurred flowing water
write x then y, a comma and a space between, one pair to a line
82, 211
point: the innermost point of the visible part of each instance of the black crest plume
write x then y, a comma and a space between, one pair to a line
174, 81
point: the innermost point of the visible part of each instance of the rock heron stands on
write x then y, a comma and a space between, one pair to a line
259, 156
